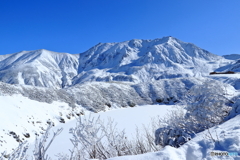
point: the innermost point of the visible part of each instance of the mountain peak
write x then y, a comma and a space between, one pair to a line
145, 59
135, 60
168, 38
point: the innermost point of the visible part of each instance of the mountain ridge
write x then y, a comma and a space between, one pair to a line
38, 68
135, 61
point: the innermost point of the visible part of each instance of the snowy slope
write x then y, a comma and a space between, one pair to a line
142, 116
26, 109
200, 147
234, 66
232, 56
39, 68
226, 136
21, 115
232, 79
98, 96
2, 57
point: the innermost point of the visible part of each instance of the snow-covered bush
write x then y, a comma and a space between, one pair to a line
95, 95
18, 154
93, 138
205, 108
40, 94
171, 136
41, 145
207, 105
173, 130
87, 135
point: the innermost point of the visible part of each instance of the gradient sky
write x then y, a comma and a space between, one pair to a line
74, 26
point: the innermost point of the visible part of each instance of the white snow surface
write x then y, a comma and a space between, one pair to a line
39, 68
226, 136
22, 115
126, 118
232, 79
20, 112
145, 60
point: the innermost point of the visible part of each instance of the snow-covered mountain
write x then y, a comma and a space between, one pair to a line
234, 66
232, 56
144, 60
39, 68
133, 61
42, 86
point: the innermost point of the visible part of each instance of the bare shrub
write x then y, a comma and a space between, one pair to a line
18, 154
93, 138
41, 145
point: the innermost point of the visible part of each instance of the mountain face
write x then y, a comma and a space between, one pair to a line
39, 68
234, 66
100, 96
132, 61
144, 60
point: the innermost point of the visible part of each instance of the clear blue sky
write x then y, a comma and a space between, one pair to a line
74, 26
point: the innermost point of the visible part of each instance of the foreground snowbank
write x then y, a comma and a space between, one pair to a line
226, 137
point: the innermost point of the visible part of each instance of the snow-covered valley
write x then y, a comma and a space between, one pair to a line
130, 82
23, 116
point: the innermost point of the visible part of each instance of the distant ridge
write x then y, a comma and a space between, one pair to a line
130, 61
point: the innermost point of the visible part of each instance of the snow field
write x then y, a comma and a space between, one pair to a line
22, 115
126, 118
